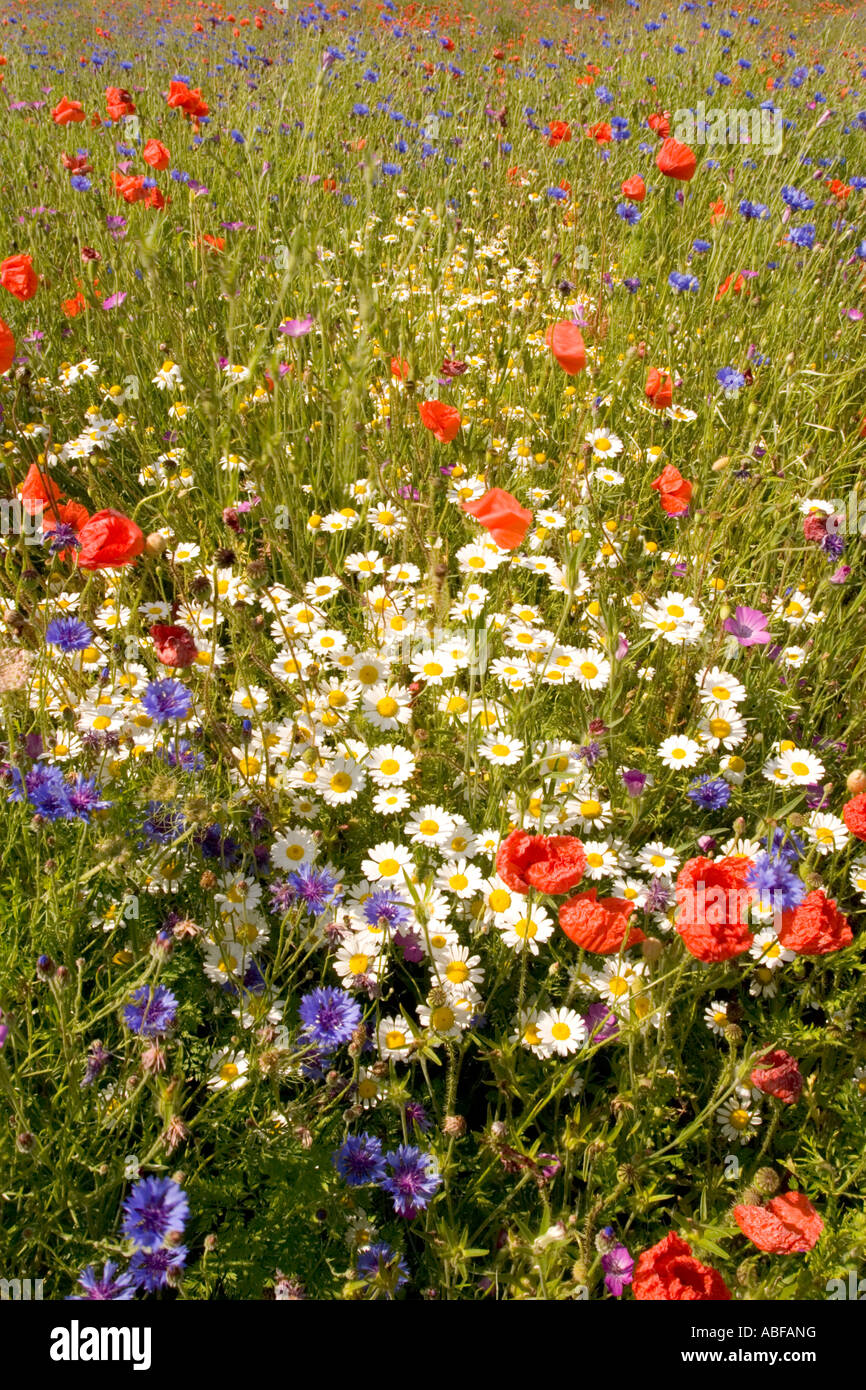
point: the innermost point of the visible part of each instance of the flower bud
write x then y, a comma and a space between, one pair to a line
856, 781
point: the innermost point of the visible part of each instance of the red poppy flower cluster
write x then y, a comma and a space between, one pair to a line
668, 1272
659, 392
550, 863
106, 540
190, 101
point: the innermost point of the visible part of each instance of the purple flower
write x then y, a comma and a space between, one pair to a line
151, 1014
84, 797
414, 1179
151, 1268
601, 1023
167, 699
69, 634
749, 626
114, 300
154, 1208
380, 1261
330, 1017
634, 781
617, 1265
360, 1160
108, 1286
297, 328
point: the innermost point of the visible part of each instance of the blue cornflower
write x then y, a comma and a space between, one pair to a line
380, 1261
315, 889
804, 237
84, 797
48, 793
178, 753
629, 213
151, 1014
151, 1268
558, 193
632, 284
81, 183
154, 1208
167, 699
360, 1160
108, 1286
63, 537
69, 634
392, 169
751, 210
360, 109
730, 379
800, 202
163, 825
710, 793
381, 907
701, 246
775, 880
330, 1017
413, 1181
238, 137
680, 282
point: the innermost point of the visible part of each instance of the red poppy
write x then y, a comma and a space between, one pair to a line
659, 391
718, 212
738, 283
566, 343
815, 927
400, 368
74, 306
713, 900
174, 645
190, 101
854, 811
7, 347
673, 489
154, 199
129, 186
778, 1074
108, 541
119, 103
550, 863
156, 155
66, 111
329, 185
677, 161
669, 1272
443, 420
560, 132
38, 491
659, 121
599, 924
501, 515
601, 132
216, 243
788, 1225
18, 276
634, 189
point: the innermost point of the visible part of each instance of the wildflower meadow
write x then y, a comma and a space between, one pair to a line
433, 651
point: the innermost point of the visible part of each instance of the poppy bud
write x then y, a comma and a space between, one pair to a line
155, 544
856, 781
